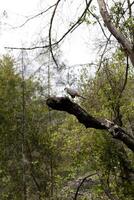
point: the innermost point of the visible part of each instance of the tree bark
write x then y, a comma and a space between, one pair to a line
65, 104
126, 44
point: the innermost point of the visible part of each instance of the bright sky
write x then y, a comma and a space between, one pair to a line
22, 6
75, 49
16, 13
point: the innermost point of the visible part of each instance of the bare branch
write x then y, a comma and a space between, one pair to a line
72, 28
129, 8
33, 17
50, 30
97, 18
28, 48
64, 35
104, 51
81, 183
77, 22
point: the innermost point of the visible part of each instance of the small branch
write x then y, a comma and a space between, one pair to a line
104, 51
65, 104
97, 18
50, 30
37, 15
77, 22
28, 48
72, 28
81, 183
64, 35
129, 8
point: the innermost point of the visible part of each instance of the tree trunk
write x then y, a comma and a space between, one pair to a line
126, 44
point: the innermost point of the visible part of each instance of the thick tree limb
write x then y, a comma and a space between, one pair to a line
126, 44
65, 104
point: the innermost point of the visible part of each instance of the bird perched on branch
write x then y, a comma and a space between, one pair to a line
73, 93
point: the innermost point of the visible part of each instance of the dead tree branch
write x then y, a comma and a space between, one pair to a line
65, 104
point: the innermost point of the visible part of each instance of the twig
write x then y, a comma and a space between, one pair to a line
104, 51
64, 35
79, 21
50, 33
37, 15
97, 18
81, 183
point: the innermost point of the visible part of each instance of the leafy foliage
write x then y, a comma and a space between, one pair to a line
46, 154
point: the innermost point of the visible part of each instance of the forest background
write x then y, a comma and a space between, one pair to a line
48, 154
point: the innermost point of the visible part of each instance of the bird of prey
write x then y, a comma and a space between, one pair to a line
73, 93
